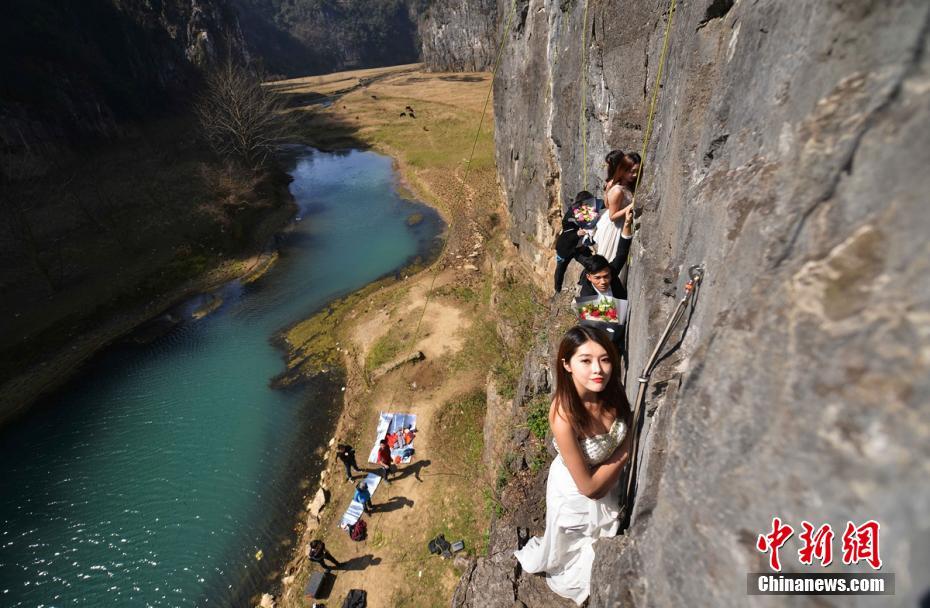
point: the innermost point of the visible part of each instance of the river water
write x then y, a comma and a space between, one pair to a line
154, 477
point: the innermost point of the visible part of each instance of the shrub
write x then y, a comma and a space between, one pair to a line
538, 419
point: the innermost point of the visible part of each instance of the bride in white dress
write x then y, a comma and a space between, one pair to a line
618, 198
589, 418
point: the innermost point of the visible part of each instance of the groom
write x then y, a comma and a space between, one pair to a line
602, 278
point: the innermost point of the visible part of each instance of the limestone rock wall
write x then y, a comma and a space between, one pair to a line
459, 35
295, 38
204, 31
789, 157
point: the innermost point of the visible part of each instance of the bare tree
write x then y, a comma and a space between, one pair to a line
242, 119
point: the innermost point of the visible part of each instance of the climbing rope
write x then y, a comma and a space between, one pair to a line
584, 98
471, 156
655, 98
487, 99
696, 275
436, 270
582, 121
696, 272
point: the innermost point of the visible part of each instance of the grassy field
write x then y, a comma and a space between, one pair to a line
432, 146
329, 84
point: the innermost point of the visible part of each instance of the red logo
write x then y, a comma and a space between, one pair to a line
859, 543
819, 544
773, 541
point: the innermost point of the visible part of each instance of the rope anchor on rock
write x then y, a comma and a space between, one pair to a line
695, 277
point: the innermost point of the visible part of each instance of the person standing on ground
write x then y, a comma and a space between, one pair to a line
384, 459
363, 496
346, 454
318, 553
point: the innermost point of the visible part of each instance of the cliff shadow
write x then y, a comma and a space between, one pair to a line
462, 78
327, 130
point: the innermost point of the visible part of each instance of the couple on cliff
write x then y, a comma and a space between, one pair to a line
588, 229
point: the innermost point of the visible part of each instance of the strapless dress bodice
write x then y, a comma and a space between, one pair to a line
598, 448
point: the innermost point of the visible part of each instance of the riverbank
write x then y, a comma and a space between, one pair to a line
470, 314
179, 445
137, 249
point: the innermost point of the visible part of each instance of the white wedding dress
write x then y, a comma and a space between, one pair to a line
573, 522
607, 233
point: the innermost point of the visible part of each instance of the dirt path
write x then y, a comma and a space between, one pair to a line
383, 562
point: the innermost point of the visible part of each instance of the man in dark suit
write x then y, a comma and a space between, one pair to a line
602, 277
569, 244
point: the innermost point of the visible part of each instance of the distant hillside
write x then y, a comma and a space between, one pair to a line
300, 37
459, 35
73, 71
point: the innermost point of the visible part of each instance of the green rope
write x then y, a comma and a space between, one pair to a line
584, 98
655, 98
429, 291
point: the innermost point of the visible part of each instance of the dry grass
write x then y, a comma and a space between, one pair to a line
430, 151
326, 84
433, 148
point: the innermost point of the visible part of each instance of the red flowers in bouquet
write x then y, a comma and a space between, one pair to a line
602, 309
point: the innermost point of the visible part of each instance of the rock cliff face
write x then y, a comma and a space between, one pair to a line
76, 71
302, 37
459, 35
789, 157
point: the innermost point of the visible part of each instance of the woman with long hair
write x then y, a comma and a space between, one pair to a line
589, 417
618, 198
633, 175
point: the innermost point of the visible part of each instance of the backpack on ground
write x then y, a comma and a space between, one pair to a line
357, 598
440, 546
359, 530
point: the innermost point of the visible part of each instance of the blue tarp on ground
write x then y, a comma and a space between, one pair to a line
372, 480
391, 422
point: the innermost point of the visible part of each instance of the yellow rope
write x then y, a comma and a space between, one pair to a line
429, 291
696, 276
655, 99
497, 63
584, 98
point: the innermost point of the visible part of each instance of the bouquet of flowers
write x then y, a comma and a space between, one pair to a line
586, 216
600, 309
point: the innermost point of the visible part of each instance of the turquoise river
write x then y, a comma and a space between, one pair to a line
155, 476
